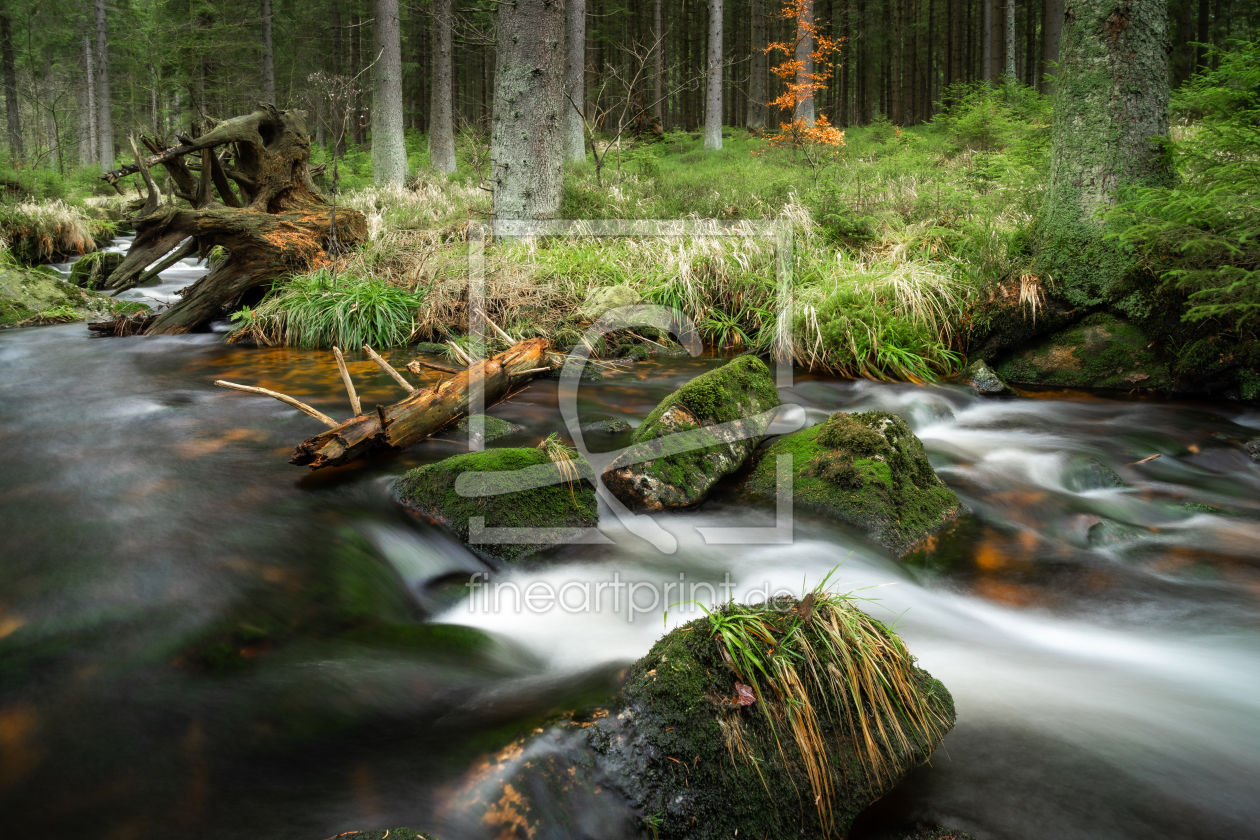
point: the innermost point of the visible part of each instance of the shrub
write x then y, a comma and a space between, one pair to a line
322, 309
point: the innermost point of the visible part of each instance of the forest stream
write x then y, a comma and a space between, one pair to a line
1102, 643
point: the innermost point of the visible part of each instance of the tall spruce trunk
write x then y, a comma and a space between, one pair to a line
1009, 72
93, 151
658, 61
804, 60
104, 101
575, 80
11, 107
526, 135
986, 34
713, 90
1111, 98
389, 151
442, 116
1051, 33
268, 56
757, 75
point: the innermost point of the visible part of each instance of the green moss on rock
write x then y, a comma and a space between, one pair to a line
1099, 352
32, 296
495, 428
733, 393
92, 270
545, 500
868, 470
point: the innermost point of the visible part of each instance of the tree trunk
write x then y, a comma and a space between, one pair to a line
658, 61
93, 151
268, 56
574, 80
104, 101
986, 35
424, 412
526, 154
1050, 35
389, 151
713, 90
804, 59
278, 225
757, 74
1009, 72
442, 116
10, 89
1111, 98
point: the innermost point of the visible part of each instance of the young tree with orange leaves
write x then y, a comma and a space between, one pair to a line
805, 69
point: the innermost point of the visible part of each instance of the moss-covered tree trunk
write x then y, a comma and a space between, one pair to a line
1111, 99
526, 137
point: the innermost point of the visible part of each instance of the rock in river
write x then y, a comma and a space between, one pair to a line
701, 743
530, 492
985, 382
868, 470
693, 456
1100, 352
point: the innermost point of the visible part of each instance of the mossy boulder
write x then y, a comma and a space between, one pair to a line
694, 456
530, 492
91, 270
868, 470
1101, 351
984, 381
604, 298
38, 296
690, 750
494, 428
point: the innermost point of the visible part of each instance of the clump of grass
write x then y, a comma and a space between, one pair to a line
39, 231
822, 659
565, 459
322, 309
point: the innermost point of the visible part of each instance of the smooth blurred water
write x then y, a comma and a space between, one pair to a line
1101, 643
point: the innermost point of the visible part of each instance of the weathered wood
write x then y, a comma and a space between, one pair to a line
278, 225
284, 398
355, 406
388, 368
425, 411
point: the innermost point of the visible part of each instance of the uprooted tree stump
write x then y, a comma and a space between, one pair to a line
253, 195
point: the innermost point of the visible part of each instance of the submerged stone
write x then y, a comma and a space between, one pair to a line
985, 382
612, 427
1089, 474
679, 455
1100, 352
1252, 448
530, 492
495, 428
694, 747
92, 270
868, 470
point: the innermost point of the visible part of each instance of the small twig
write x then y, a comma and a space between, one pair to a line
1144, 460
495, 327
284, 398
648, 340
531, 370
345, 377
421, 363
458, 352
388, 368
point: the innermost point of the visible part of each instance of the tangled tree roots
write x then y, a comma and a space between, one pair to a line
252, 195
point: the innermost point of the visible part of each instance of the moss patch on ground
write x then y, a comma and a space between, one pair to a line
869, 470
740, 389
1100, 352
556, 505
29, 297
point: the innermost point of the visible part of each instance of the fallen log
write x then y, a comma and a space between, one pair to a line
425, 411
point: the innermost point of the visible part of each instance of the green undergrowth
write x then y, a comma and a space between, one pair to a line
325, 309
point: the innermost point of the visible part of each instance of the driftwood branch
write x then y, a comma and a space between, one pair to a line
355, 406
284, 398
425, 411
388, 368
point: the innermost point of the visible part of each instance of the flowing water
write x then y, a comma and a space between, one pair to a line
167, 669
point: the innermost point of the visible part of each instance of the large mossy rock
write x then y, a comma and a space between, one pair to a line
91, 270
696, 748
984, 381
1100, 352
868, 470
741, 393
532, 492
36, 296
